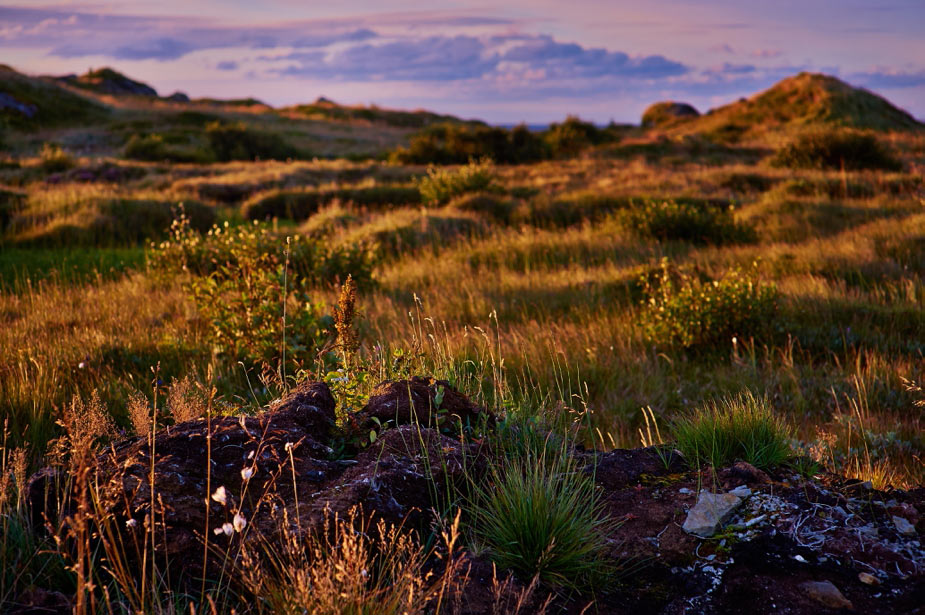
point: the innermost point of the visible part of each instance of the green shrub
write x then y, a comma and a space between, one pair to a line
538, 514
836, 149
743, 427
681, 310
244, 282
239, 142
440, 185
672, 220
314, 262
571, 137
456, 144
54, 159
301, 204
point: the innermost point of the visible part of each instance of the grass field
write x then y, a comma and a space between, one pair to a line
655, 270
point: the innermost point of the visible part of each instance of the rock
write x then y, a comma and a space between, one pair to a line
261, 466
177, 97
903, 527
825, 593
8, 102
742, 473
666, 112
742, 492
868, 579
423, 401
710, 512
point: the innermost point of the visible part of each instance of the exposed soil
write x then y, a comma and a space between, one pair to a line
788, 532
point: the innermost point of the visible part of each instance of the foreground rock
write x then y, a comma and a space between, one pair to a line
787, 544
259, 467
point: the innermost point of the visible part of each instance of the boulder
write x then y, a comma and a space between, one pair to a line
826, 594
668, 112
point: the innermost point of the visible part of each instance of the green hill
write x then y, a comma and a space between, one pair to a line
29, 102
807, 99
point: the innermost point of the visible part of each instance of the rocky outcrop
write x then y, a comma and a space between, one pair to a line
662, 113
776, 543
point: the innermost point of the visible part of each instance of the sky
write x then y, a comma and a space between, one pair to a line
523, 60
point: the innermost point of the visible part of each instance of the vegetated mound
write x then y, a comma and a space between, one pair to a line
31, 102
109, 81
326, 109
713, 540
668, 112
803, 100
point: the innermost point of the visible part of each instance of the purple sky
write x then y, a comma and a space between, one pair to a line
532, 60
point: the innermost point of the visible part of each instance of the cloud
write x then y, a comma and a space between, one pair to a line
227, 65
766, 53
165, 48
570, 60
885, 78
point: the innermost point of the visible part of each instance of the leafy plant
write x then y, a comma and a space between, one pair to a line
743, 427
440, 185
672, 220
685, 311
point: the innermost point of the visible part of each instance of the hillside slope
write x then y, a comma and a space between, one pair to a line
803, 100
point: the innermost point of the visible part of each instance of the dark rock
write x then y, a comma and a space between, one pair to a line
9, 102
826, 594
177, 97
423, 401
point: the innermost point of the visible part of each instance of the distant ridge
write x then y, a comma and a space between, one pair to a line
803, 100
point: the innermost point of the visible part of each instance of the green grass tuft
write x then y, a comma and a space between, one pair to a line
739, 428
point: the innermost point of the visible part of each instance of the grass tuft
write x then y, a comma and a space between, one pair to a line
743, 427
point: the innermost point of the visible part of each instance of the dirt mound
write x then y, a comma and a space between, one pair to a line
420, 400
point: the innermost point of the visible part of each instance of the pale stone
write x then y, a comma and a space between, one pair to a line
710, 512
825, 593
903, 526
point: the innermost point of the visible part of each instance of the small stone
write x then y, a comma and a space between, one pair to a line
825, 593
868, 579
710, 512
903, 527
742, 492
684, 490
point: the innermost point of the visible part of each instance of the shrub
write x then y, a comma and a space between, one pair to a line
301, 204
441, 185
667, 220
836, 149
457, 144
684, 311
571, 137
538, 514
311, 260
491, 205
239, 142
54, 159
407, 230
743, 427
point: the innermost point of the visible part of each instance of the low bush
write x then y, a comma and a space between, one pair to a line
301, 204
54, 159
681, 221
457, 144
253, 289
440, 184
743, 427
407, 230
239, 142
202, 254
682, 310
836, 149
539, 516
494, 206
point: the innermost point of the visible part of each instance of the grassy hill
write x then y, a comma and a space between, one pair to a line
32, 102
807, 99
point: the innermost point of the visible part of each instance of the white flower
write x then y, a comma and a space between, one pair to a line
246, 473
220, 496
239, 522
81, 365
227, 529
131, 523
